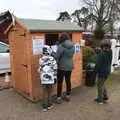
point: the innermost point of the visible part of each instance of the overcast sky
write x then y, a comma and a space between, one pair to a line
40, 9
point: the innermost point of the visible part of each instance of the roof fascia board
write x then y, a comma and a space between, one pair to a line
21, 24
32, 31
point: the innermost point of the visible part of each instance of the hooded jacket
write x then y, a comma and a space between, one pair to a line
47, 67
103, 63
64, 55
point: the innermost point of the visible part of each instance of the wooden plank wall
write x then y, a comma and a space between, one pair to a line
77, 74
34, 86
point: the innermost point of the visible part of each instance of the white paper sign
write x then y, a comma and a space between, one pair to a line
38, 43
82, 42
54, 48
77, 48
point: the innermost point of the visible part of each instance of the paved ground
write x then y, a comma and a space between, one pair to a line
81, 107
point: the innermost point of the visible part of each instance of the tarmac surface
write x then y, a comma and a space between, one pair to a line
81, 107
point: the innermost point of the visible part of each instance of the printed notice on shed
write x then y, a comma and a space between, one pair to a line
38, 43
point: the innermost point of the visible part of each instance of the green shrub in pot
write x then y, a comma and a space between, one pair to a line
89, 56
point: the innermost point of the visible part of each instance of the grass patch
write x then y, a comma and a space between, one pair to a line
114, 78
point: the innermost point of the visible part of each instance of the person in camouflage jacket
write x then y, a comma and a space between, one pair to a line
48, 76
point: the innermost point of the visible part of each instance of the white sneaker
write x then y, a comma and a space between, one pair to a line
59, 100
45, 109
50, 107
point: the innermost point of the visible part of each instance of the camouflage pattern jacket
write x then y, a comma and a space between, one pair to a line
47, 69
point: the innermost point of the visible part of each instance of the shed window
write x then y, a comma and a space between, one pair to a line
51, 39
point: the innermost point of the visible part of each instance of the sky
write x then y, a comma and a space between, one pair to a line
39, 9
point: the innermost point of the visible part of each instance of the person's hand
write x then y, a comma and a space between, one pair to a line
38, 70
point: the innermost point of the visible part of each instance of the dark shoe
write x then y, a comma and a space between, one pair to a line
44, 108
50, 107
66, 98
106, 99
99, 100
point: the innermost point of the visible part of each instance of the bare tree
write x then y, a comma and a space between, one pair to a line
104, 12
76, 14
82, 17
64, 16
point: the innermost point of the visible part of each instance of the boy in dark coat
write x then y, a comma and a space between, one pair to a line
102, 69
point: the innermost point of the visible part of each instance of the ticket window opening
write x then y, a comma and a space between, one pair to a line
51, 39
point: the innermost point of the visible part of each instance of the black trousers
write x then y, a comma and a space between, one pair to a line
60, 77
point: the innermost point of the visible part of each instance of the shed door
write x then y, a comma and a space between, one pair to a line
19, 61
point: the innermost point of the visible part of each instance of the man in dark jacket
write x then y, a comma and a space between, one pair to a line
103, 68
64, 56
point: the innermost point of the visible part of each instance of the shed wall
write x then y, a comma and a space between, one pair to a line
24, 62
77, 74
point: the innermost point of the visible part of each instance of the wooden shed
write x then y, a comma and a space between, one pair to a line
26, 37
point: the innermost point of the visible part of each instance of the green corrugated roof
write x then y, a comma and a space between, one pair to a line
49, 25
